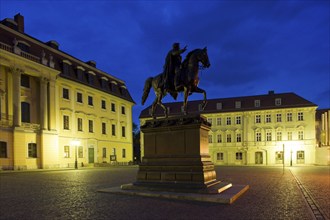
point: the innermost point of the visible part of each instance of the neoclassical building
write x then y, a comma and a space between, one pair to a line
256, 130
57, 111
323, 136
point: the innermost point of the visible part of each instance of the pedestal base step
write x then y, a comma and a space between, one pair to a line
227, 196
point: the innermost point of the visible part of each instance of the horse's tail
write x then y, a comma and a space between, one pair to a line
146, 89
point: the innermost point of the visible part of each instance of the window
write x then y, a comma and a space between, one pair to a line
104, 128
209, 120
300, 116
219, 105
279, 157
228, 138
90, 126
65, 94
113, 107
210, 138
238, 120
289, 116
218, 121
289, 136
66, 122
80, 152
268, 118
238, 104
3, 149
90, 78
79, 97
257, 103
220, 156
268, 136
32, 150
113, 130
80, 124
90, 100
104, 152
123, 110
278, 117
258, 119
124, 153
238, 138
219, 138
25, 81
25, 112
258, 136
103, 104
123, 131
279, 136
278, 101
66, 151
239, 156
300, 135
228, 121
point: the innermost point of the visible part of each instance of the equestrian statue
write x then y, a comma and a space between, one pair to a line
177, 77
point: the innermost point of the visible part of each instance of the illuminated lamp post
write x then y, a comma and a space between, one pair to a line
75, 143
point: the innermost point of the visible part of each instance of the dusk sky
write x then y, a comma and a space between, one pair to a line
253, 46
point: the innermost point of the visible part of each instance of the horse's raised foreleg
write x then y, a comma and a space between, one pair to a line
199, 90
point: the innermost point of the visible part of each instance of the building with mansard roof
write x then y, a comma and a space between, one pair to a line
56, 110
255, 130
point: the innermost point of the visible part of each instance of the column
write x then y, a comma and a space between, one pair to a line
44, 102
17, 116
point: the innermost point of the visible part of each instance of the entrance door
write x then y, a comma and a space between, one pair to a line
90, 155
259, 159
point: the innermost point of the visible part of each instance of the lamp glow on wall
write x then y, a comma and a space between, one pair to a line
75, 143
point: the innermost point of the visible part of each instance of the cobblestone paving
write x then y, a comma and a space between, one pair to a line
71, 194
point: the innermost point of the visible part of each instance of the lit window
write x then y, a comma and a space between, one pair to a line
278, 117
239, 156
3, 149
238, 104
279, 136
25, 81
66, 151
268, 136
258, 136
220, 156
238, 120
32, 150
65, 93
238, 138
257, 103
90, 126
80, 124
289, 116
218, 121
300, 116
258, 119
300, 135
268, 118
66, 124
219, 105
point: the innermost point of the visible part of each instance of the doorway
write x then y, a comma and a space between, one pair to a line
259, 158
90, 155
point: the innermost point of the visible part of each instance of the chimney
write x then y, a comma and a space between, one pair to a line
19, 19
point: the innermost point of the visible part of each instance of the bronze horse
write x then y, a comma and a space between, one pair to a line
186, 80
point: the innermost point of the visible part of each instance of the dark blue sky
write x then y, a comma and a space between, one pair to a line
253, 46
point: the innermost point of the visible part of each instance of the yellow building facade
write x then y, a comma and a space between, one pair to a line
57, 111
256, 130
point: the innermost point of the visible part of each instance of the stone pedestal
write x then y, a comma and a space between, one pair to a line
176, 156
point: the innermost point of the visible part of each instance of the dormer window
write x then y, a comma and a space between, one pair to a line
90, 77
257, 103
238, 104
278, 101
219, 105
104, 82
66, 67
80, 73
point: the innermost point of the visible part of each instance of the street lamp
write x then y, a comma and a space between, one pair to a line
75, 143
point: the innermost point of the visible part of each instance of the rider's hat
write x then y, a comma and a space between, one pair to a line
176, 46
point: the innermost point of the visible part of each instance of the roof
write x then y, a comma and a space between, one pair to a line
246, 103
36, 48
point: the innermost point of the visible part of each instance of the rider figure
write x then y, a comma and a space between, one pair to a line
172, 65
